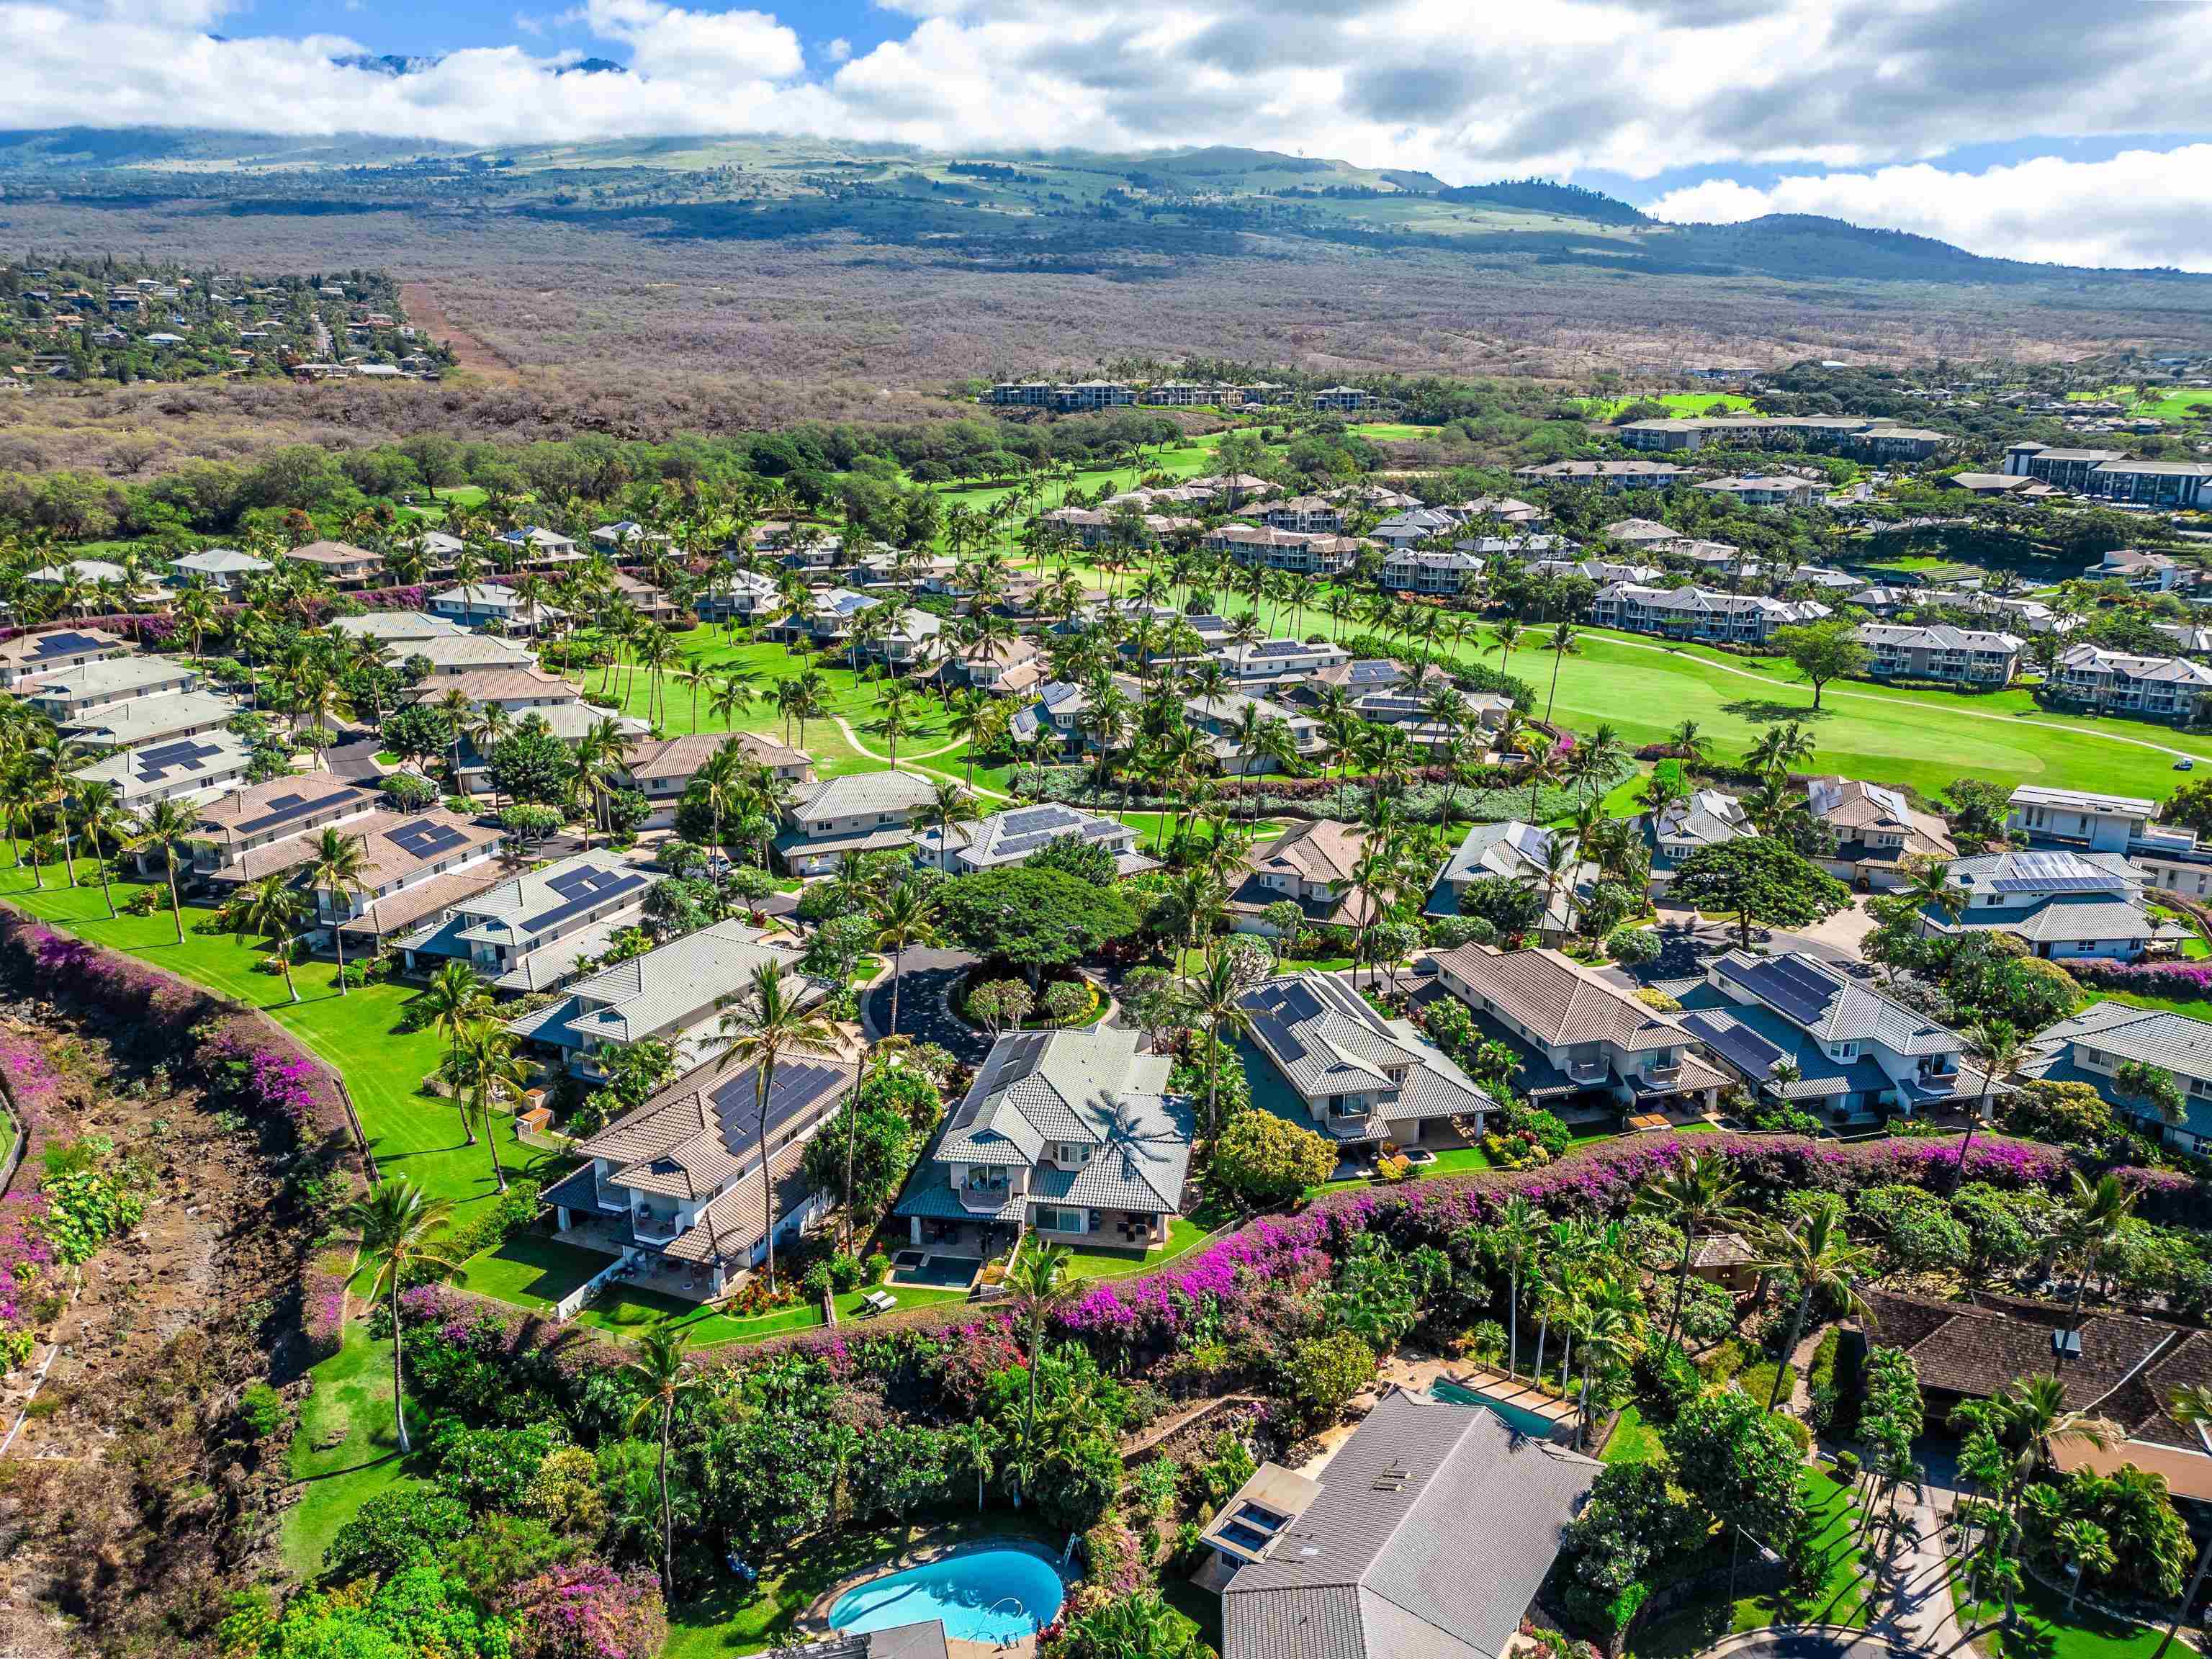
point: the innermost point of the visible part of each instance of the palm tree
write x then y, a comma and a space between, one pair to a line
971, 1449
270, 908
100, 815
455, 997
1038, 1280
166, 824
1818, 1253
1212, 994
949, 803
908, 918
486, 1065
395, 1224
761, 1026
1697, 1195
661, 1373
1928, 881
2094, 1213
1561, 643
1515, 1238
339, 867
2002, 1051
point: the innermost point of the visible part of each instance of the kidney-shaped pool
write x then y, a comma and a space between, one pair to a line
994, 1595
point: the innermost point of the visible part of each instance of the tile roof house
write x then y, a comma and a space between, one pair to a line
1069, 1133
675, 993
2165, 688
1011, 836
413, 865
286, 810
528, 934
674, 1190
1859, 1054
56, 649
1581, 1039
1380, 1562
1877, 830
158, 719
2091, 1045
1643, 533
66, 693
1053, 721
195, 767
1704, 818
1514, 851
476, 604
1978, 1349
661, 768
449, 654
1700, 613
2064, 905
827, 822
395, 627
341, 562
1359, 1079
219, 567
1956, 656
1220, 718
1310, 865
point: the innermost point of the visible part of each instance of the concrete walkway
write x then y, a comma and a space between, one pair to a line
1913, 1585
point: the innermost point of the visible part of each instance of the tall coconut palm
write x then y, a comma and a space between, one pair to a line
486, 1066
1999, 1051
662, 1376
2192, 1408
1212, 995
1697, 1196
166, 826
1038, 1280
1818, 1254
397, 1227
270, 908
761, 1026
1562, 642
1515, 1238
2094, 1212
100, 816
949, 803
908, 918
339, 867
972, 1449
453, 999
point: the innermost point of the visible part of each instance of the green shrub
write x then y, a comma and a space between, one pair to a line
261, 1410
1796, 1430
1821, 1380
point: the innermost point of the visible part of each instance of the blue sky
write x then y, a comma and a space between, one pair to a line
2030, 129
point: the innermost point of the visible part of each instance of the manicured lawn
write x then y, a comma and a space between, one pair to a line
1838, 1597
532, 1271
344, 1448
1632, 1439
1183, 1234
2194, 1007
410, 1134
2047, 1631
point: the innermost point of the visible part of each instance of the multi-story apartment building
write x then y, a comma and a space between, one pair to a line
1861, 434
1958, 656
827, 822
1776, 489
1315, 515
1612, 477
1345, 398
527, 934
2111, 475
1221, 718
1264, 662
1445, 574
1307, 553
1083, 395
237, 836
28, 656
2116, 681
69, 694
1698, 613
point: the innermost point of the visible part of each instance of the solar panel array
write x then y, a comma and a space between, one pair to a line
2054, 872
185, 755
1739, 1045
1792, 987
582, 891
287, 808
426, 840
798, 1089
64, 644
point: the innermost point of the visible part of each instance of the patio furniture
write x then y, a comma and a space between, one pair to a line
879, 1302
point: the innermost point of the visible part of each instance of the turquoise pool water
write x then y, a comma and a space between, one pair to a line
984, 1595
1520, 1418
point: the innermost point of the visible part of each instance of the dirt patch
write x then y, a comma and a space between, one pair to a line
469, 353
134, 1500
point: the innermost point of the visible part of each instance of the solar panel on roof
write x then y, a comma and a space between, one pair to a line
186, 755
1792, 987
582, 891
1739, 1044
64, 645
424, 840
286, 808
798, 1089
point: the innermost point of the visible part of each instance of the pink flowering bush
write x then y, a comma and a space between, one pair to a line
2157, 979
587, 1610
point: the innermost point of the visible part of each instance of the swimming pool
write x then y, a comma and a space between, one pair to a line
992, 1594
1519, 1418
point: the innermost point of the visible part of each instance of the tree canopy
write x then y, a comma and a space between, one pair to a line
1034, 919
1757, 879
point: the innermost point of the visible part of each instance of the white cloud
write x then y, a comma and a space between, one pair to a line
1870, 88
838, 49
2143, 207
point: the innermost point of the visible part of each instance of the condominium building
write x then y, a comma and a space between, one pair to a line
1698, 613
1958, 656
2164, 688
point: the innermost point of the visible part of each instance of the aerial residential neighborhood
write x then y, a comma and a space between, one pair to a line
947, 832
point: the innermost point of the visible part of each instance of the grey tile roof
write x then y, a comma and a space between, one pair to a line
2063, 919
645, 995
1829, 1004
859, 792
1087, 1087
1558, 1000
1383, 1564
1325, 1039
2153, 1036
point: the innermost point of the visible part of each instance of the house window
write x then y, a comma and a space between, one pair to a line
1056, 1219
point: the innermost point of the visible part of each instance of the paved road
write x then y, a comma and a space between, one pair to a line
926, 985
